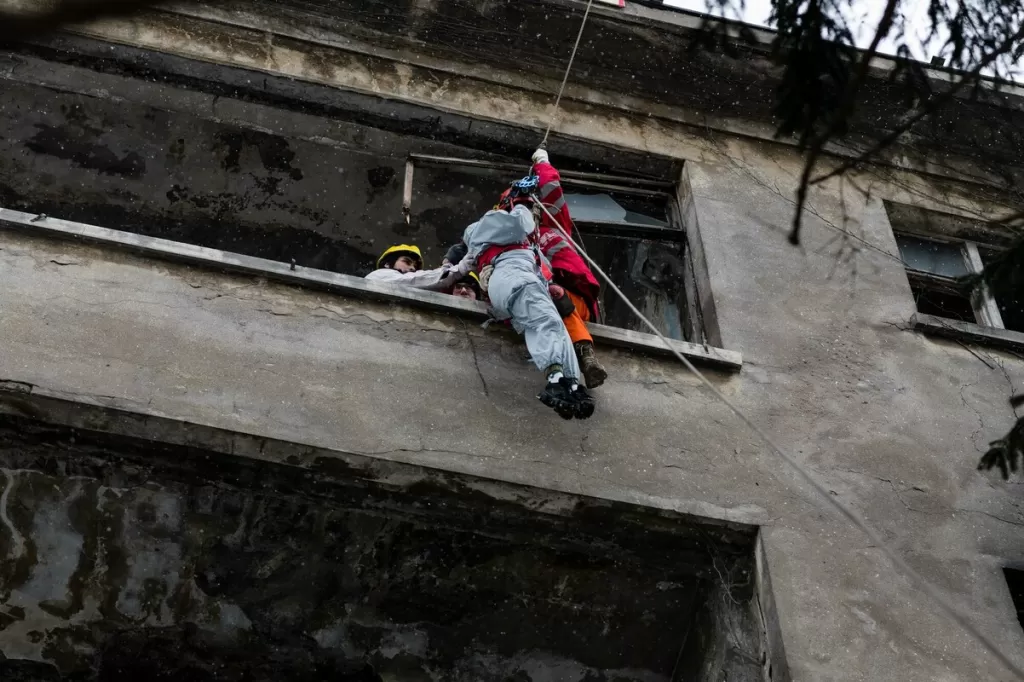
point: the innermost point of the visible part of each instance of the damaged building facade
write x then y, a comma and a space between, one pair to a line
226, 456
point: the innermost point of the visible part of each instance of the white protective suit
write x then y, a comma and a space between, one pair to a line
438, 279
518, 290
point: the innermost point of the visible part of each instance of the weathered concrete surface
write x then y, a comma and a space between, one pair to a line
125, 559
186, 178
153, 159
868, 406
891, 420
449, 51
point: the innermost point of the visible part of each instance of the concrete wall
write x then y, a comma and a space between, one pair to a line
127, 559
891, 421
188, 178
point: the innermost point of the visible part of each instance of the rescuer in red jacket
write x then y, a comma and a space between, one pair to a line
569, 270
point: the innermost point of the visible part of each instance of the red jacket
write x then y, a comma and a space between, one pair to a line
570, 270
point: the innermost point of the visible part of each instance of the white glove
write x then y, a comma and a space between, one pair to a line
466, 265
485, 277
539, 156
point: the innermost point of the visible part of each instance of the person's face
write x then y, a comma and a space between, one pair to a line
464, 291
404, 264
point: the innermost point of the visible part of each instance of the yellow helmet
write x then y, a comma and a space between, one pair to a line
475, 281
402, 250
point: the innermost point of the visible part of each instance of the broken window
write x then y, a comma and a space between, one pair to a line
937, 270
629, 226
941, 253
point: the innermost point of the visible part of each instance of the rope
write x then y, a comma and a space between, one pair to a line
565, 78
846, 511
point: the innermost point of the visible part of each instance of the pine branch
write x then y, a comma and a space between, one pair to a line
933, 104
839, 119
1006, 453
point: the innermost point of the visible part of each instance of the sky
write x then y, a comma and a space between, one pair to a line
864, 19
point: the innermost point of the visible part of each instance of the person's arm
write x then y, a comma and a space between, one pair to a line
438, 279
431, 280
550, 190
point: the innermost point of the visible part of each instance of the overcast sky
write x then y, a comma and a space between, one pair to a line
864, 19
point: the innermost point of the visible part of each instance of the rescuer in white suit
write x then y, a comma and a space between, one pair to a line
510, 274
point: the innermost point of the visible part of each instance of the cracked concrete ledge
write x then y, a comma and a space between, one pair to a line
118, 417
967, 331
337, 283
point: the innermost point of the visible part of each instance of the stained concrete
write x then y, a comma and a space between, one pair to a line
890, 420
270, 184
127, 559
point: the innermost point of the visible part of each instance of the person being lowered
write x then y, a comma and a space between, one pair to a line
503, 245
569, 271
573, 287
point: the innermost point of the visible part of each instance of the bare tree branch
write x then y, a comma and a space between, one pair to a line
840, 118
932, 105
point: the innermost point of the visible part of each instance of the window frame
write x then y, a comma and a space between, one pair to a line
986, 309
692, 321
640, 187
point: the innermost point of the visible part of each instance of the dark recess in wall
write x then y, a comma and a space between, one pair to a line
343, 578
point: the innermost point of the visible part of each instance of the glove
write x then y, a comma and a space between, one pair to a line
466, 265
485, 277
563, 304
539, 156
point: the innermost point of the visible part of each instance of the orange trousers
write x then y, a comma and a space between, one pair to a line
574, 322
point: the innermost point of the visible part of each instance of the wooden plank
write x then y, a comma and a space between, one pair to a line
429, 159
410, 167
610, 228
968, 332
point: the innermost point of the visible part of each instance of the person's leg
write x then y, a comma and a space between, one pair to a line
535, 316
516, 290
594, 373
578, 331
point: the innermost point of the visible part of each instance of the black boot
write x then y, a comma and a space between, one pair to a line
560, 396
593, 372
584, 403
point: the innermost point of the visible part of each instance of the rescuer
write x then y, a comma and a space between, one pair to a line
569, 271
401, 265
510, 274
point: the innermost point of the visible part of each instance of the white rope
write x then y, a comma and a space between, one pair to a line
565, 78
846, 511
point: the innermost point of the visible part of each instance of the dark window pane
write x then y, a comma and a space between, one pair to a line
941, 303
937, 258
651, 275
1011, 307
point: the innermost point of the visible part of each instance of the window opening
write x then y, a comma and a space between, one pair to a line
936, 268
937, 258
628, 225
